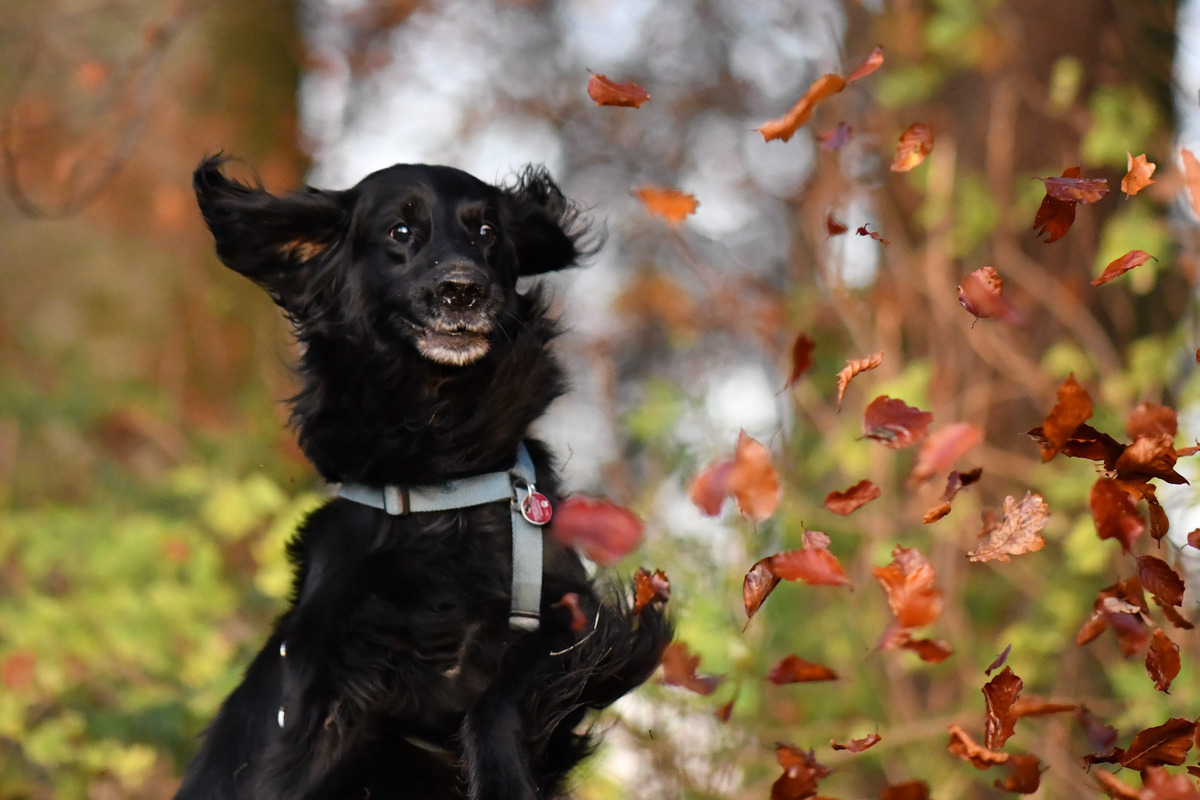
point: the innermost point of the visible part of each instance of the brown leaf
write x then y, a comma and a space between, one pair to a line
998, 661
833, 227
679, 669
895, 424
1025, 775
783, 128
18, 670
801, 772
1162, 660
607, 92
793, 669
980, 294
570, 602
1137, 175
671, 205
943, 448
1160, 580
852, 499
857, 745
1151, 420
759, 582
1054, 216
835, 139
801, 358
863, 231
814, 566
872, 62
1191, 173
955, 482
908, 584
1150, 457
999, 694
909, 790
1193, 539
1113, 786
603, 530
726, 711
1168, 743
1017, 531
1075, 189
1101, 736
1162, 785
1084, 442
853, 367
1074, 407
1037, 707
966, 748
650, 587
753, 481
1115, 513
931, 651
1118, 267
914, 145
710, 487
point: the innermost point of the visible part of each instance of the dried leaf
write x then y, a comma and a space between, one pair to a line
801, 772
833, 227
857, 745
724, 713
1193, 539
914, 145
1162, 582
998, 661
1115, 513
942, 449
801, 358
1054, 217
603, 530
1137, 175
1150, 457
980, 294
1191, 174
710, 487
1118, 267
1025, 774
863, 231
607, 92
999, 694
570, 602
1168, 743
1084, 442
1113, 786
909, 790
1037, 707
1162, 785
931, 651
966, 748
895, 424
955, 482
671, 205
1074, 407
908, 583
853, 367
872, 62
759, 582
1017, 531
650, 587
679, 669
1162, 661
814, 566
1075, 189
783, 128
1151, 420
852, 499
793, 669
835, 139
753, 481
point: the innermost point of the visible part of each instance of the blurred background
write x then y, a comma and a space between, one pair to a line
148, 480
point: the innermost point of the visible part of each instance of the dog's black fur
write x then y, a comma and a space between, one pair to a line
421, 364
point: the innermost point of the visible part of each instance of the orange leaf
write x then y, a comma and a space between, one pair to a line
914, 145
650, 587
607, 92
908, 583
895, 424
793, 669
801, 358
979, 294
1073, 408
603, 530
783, 128
801, 772
671, 205
909, 790
1152, 420
943, 448
1118, 267
872, 62
852, 499
966, 748
710, 487
931, 651
679, 669
1017, 531
1191, 173
1138, 174
753, 481
857, 745
852, 368
759, 582
1000, 694
1025, 774
1162, 660
814, 566
1115, 514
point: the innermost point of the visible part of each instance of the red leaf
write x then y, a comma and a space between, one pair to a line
753, 481
710, 487
862, 231
857, 745
671, 205
1150, 457
801, 358
1074, 407
570, 602
1168, 743
908, 583
931, 651
1137, 175
914, 145
1084, 442
814, 566
603, 530
1162, 785
1118, 267
980, 294
679, 669
783, 128
1025, 775
955, 482
1054, 216
726, 711
852, 499
999, 661
801, 772
1114, 787
649, 588
1016, 532
1193, 539
833, 227
909, 790
1074, 189
1160, 580
793, 669
966, 748
895, 424
853, 367
1151, 420
999, 694
607, 92
759, 582
834, 139
869, 65
1162, 661
943, 448
1115, 513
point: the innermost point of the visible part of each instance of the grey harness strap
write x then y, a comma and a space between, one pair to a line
478, 490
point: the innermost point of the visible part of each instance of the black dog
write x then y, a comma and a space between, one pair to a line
411, 663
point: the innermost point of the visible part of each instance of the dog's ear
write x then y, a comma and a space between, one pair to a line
265, 237
547, 230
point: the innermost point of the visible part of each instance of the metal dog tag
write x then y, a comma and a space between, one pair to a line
536, 508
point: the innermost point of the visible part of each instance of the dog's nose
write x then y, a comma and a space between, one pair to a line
460, 294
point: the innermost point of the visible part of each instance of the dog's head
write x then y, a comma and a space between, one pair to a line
426, 254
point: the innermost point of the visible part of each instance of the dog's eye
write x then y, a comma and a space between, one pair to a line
487, 234
401, 233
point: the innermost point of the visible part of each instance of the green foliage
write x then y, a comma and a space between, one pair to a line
1123, 119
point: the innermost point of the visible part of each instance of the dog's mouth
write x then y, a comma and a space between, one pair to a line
453, 345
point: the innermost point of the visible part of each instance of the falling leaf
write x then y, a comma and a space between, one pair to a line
1122, 607
908, 583
726, 711
1137, 175
783, 128
753, 481
793, 669
895, 424
857, 745
603, 530
1017, 531
570, 602
1191, 173
1114, 787
1000, 694
1117, 268
999, 661
759, 582
1037, 707
1084, 442
649, 588
801, 772
871, 63
1076, 189
852, 499
671, 205
909, 790
1149, 457
1074, 407
1168, 743
1160, 580
1101, 736
966, 748
955, 482
1162, 660
862, 231
1151, 420
853, 367
914, 145
835, 138
1054, 217
711, 486
607, 92
943, 448
801, 358
679, 669
931, 651
1193, 539
980, 294
815, 566
833, 227
1025, 774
